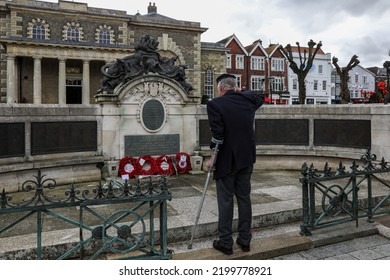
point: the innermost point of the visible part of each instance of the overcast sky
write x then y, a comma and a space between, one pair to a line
345, 27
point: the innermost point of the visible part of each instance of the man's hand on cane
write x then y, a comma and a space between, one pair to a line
210, 163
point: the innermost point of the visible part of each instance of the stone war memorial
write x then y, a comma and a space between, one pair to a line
107, 96
147, 112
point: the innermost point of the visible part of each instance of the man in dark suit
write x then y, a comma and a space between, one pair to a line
231, 118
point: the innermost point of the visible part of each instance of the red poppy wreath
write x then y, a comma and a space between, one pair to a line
148, 165
183, 163
164, 165
129, 166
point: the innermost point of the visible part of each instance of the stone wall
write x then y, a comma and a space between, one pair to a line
292, 156
115, 121
75, 163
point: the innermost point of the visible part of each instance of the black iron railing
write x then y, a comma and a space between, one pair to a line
115, 218
333, 197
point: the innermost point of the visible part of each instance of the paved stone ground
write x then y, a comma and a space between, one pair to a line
277, 212
373, 247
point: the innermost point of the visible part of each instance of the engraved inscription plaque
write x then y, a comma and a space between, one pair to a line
63, 137
12, 139
343, 133
153, 145
282, 132
204, 133
153, 115
268, 132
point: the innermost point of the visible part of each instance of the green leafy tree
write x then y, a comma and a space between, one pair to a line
305, 63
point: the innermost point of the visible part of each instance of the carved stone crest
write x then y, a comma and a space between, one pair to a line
145, 60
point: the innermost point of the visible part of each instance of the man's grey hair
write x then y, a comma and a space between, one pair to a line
229, 83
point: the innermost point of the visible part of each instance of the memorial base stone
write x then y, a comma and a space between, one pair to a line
196, 164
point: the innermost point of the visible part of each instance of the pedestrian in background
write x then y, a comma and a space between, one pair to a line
231, 119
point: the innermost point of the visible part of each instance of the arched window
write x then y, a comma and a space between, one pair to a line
38, 29
72, 31
73, 34
104, 35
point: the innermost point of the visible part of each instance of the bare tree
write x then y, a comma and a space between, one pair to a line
344, 76
306, 62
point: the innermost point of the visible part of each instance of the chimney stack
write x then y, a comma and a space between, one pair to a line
152, 9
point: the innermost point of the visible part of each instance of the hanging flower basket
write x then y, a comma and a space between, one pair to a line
164, 165
183, 163
129, 166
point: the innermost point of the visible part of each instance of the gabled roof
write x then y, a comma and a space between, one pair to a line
154, 17
374, 69
229, 39
214, 46
363, 69
158, 16
256, 44
152, 13
272, 49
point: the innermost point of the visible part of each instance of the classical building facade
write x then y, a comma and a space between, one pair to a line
53, 112
52, 53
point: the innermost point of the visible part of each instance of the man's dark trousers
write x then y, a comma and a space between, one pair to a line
237, 183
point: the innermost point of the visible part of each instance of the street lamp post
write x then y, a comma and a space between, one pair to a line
386, 65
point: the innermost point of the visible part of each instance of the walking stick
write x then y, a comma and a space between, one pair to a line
210, 170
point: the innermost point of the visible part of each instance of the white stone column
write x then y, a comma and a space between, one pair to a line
37, 80
62, 82
11, 80
86, 83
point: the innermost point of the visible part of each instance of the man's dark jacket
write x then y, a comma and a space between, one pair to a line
231, 119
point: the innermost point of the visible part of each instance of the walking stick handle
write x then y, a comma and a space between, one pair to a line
214, 153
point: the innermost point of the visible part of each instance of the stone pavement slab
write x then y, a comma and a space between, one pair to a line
277, 215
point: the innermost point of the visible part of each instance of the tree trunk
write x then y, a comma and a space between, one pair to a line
344, 91
306, 58
302, 89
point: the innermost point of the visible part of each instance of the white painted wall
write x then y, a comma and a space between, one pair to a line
322, 94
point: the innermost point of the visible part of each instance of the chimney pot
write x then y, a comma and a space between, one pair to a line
152, 9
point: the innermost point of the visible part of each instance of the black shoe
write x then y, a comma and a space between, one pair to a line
244, 248
223, 247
